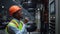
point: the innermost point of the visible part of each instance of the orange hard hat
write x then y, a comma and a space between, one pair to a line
14, 9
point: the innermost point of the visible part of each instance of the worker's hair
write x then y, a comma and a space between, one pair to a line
14, 14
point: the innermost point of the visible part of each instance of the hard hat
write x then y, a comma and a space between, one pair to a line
14, 9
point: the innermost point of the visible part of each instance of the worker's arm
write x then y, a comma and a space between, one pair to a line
24, 31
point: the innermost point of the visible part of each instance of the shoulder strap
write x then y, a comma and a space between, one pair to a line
21, 23
13, 21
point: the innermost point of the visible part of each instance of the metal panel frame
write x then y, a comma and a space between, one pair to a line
57, 22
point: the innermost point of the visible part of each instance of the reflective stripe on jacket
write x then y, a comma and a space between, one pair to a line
14, 23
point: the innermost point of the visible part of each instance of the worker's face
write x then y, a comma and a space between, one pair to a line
19, 14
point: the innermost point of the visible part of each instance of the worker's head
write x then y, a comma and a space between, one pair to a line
15, 11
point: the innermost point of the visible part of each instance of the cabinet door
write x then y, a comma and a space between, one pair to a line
52, 18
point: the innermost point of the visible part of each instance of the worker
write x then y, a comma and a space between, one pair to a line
16, 26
